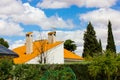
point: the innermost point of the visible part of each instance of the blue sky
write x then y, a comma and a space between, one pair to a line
68, 17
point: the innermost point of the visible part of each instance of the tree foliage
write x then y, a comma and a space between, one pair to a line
5, 68
100, 46
105, 66
70, 45
26, 72
101, 67
110, 39
59, 73
4, 43
91, 44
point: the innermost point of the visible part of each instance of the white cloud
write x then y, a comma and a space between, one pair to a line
36, 16
80, 3
79, 50
7, 26
59, 3
10, 29
13, 12
76, 36
16, 44
8, 7
31, 15
40, 35
99, 19
101, 16
100, 3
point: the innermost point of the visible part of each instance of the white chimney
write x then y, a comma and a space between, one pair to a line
51, 37
29, 43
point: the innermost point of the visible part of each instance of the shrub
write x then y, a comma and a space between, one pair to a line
5, 68
104, 66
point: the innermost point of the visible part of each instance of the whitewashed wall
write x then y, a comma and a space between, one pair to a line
53, 56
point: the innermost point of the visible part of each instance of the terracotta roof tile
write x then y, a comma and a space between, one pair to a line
28, 33
71, 55
38, 47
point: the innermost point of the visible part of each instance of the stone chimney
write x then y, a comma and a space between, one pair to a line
29, 43
51, 37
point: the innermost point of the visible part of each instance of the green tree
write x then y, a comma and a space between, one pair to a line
104, 66
6, 65
4, 43
91, 44
110, 39
70, 45
100, 46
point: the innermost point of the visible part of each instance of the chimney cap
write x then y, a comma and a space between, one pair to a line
53, 32
28, 33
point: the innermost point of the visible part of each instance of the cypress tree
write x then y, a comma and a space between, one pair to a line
110, 40
90, 42
100, 45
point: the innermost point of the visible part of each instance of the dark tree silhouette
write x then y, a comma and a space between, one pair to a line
70, 45
110, 40
4, 43
100, 46
91, 44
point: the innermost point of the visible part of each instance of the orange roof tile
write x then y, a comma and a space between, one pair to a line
71, 55
28, 33
37, 49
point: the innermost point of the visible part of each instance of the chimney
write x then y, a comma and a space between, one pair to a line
52, 37
29, 43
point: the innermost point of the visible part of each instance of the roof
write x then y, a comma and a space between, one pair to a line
38, 47
28, 33
7, 52
71, 55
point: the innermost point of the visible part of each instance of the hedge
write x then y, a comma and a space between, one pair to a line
10, 71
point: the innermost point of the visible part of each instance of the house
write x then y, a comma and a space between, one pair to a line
44, 51
7, 52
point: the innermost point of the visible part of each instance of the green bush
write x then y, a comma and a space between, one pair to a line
81, 71
5, 68
26, 72
98, 68
59, 72
105, 66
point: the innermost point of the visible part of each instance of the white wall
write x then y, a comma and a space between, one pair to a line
56, 55
33, 61
53, 56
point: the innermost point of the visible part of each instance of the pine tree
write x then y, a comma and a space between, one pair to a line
110, 40
100, 45
91, 44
